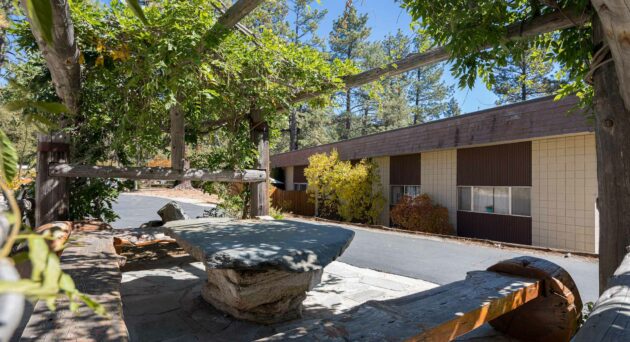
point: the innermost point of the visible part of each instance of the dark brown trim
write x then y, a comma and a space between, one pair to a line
537, 118
497, 165
504, 228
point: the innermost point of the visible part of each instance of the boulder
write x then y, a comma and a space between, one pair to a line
172, 211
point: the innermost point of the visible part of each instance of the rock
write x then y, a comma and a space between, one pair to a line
260, 270
172, 211
265, 297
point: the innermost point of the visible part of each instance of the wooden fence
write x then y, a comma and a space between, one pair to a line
296, 202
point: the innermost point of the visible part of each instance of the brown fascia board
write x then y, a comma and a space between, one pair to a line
520, 121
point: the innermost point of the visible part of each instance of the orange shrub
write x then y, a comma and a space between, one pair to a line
420, 214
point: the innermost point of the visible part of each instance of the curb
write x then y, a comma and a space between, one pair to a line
484, 242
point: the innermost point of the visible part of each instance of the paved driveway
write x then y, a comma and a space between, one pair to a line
408, 255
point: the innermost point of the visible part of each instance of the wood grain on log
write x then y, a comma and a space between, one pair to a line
155, 173
609, 320
52, 197
614, 16
237, 12
612, 129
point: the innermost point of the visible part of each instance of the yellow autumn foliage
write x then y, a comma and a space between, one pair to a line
351, 192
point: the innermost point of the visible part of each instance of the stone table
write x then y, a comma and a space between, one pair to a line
260, 270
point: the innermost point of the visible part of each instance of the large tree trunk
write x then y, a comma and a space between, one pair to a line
62, 57
613, 165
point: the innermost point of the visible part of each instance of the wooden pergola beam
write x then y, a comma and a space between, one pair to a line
236, 13
156, 173
558, 20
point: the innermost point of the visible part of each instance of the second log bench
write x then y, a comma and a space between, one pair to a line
526, 298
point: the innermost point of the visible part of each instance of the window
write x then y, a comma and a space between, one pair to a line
464, 199
495, 200
300, 186
398, 191
521, 203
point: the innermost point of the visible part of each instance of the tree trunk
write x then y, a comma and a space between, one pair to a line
293, 130
62, 57
613, 166
348, 115
259, 199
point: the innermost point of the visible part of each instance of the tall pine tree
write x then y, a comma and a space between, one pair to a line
428, 93
525, 77
349, 33
304, 31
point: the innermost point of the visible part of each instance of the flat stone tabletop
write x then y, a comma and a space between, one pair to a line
292, 246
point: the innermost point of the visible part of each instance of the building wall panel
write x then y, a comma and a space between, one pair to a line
298, 174
564, 191
439, 179
288, 178
505, 228
405, 170
496, 165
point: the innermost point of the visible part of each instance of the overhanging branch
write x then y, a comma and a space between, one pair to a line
540, 25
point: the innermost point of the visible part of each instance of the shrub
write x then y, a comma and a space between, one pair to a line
420, 214
350, 192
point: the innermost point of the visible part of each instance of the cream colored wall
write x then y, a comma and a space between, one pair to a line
288, 178
439, 179
383, 169
564, 189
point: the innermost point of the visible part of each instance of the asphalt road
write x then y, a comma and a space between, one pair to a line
418, 257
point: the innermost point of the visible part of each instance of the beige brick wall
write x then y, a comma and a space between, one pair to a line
288, 178
439, 179
564, 189
383, 169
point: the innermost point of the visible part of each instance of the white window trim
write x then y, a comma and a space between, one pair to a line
472, 199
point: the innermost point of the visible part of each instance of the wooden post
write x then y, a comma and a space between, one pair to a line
178, 144
259, 202
612, 130
52, 194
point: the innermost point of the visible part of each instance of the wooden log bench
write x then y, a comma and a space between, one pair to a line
91, 261
526, 298
610, 318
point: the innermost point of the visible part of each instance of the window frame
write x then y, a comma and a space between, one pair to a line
300, 184
404, 192
472, 199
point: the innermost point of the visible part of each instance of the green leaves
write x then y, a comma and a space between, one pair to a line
8, 159
40, 14
137, 10
48, 280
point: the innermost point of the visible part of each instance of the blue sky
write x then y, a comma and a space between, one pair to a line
386, 16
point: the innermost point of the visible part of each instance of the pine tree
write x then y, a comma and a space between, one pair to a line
524, 77
452, 108
428, 92
349, 32
394, 108
306, 22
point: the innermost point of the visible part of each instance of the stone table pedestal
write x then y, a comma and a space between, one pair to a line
260, 270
